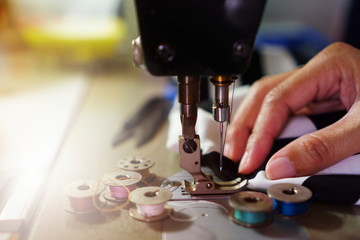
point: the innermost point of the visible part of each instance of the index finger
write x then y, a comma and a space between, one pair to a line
245, 116
323, 76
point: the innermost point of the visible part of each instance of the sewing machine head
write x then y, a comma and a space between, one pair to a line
192, 39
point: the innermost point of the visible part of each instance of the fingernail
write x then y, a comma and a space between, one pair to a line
280, 168
227, 150
243, 162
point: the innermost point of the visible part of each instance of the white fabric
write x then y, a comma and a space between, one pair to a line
262, 183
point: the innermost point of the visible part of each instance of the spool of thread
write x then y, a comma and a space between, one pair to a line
150, 204
290, 200
119, 184
82, 195
251, 209
141, 165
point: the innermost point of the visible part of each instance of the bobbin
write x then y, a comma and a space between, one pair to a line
290, 200
119, 184
151, 197
251, 209
137, 164
82, 195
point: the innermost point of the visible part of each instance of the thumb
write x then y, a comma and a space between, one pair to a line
316, 151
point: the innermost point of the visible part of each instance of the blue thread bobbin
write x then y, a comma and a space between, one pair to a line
290, 200
251, 209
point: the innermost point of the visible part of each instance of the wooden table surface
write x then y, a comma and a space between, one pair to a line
87, 153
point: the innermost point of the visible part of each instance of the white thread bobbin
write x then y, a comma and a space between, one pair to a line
150, 203
141, 165
119, 184
82, 195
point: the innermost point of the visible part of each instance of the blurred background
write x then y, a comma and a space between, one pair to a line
91, 33
67, 33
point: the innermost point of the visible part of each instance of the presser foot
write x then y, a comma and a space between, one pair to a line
208, 186
190, 160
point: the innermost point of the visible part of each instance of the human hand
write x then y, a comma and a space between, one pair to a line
330, 81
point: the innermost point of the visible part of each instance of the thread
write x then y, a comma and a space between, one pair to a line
83, 196
150, 203
150, 210
250, 217
251, 209
111, 179
120, 184
121, 192
291, 209
290, 200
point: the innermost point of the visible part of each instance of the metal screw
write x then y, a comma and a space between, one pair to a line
209, 185
241, 49
137, 53
189, 146
165, 53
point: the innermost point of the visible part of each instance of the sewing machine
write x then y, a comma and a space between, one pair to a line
194, 39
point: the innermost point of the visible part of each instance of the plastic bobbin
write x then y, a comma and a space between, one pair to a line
137, 164
290, 200
82, 195
150, 204
251, 209
119, 184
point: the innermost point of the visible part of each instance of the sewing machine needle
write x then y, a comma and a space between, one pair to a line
221, 145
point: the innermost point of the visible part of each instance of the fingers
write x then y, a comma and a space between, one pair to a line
319, 150
322, 107
329, 72
245, 117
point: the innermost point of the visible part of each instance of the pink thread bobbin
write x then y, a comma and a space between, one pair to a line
150, 204
82, 196
119, 184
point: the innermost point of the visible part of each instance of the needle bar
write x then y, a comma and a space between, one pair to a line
221, 145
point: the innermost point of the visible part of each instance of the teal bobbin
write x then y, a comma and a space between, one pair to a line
251, 209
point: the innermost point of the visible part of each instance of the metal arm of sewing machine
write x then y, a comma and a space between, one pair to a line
189, 143
193, 38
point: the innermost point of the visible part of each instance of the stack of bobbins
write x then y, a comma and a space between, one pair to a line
119, 184
251, 209
290, 200
150, 204
82, 195
141, 165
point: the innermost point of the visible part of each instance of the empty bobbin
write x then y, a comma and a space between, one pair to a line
137, 164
